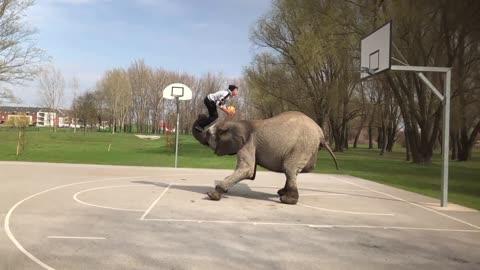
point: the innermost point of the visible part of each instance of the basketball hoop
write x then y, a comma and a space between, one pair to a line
376, 57
178, 92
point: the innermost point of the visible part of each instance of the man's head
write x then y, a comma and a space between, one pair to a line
233, 89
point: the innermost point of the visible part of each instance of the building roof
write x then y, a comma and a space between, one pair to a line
30, 110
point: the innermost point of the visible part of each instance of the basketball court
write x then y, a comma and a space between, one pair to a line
66, 216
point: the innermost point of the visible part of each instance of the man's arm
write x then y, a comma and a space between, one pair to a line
224, 108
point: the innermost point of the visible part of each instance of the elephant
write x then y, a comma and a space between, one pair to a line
286, 143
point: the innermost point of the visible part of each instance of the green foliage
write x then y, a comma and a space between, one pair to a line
312, 64
21, 122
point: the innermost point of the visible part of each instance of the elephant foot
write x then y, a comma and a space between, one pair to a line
288, 199
281, 192
216, 193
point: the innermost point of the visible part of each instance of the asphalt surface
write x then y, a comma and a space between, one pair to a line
67, 216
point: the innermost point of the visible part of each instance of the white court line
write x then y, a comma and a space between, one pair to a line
322, 194
75, 197
400, 199
326, 226
6, 223
194, 185
155, 202
76, 237
316, 189
346, 212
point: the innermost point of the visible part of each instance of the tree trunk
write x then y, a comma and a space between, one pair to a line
370, 140
467, 142
423, 155
114, 126
345, 137
391, 132
384, 140
337, 137
453, 143
421, 121
407, 150
18, 142
380, 138
357, 136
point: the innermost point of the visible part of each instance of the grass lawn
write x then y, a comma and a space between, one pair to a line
126, 149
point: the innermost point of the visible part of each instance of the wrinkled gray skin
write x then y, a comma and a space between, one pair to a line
286, 143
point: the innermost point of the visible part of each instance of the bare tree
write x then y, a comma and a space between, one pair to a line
52, 88
158, 81
6, 95
115, 90
20, 59
139, 75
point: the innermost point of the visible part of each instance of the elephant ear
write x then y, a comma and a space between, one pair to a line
228, 139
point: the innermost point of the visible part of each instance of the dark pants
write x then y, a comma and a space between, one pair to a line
212, 112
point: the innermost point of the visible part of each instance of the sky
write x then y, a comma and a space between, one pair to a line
84, 38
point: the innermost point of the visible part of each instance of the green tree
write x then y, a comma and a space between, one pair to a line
21, 122
86, 109
309, 62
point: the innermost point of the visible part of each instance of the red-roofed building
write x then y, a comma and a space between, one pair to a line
41, 117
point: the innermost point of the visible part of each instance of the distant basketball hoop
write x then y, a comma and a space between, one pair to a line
178, 92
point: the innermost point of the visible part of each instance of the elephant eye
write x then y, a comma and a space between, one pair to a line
222, 131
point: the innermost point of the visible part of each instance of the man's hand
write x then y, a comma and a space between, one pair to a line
224, 108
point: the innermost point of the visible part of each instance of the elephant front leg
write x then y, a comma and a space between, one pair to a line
238, 175
216, 193
245, 170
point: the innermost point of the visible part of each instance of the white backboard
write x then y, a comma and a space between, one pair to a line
179, 90
375, 51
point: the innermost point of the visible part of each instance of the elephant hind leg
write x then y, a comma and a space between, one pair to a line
289, 194
296, 163
312, 162
283, 190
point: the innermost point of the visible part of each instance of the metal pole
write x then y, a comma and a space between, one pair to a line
446, 139
177, 131
446, 118
420, 68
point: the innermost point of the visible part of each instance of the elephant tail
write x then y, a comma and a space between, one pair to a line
324, 144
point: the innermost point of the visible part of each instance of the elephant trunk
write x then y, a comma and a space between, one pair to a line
201, 137
204, 137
